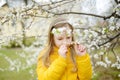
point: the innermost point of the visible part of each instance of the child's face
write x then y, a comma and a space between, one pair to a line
63, 38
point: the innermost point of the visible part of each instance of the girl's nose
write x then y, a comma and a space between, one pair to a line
65, 42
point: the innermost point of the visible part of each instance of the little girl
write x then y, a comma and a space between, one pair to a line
62, 58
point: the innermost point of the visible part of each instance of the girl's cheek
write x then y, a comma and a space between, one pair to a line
60, 43
70, 40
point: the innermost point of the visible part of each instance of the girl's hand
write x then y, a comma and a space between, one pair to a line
80, 49
62, 50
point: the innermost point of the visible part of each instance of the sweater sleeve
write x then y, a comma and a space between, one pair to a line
84, 67
53, 72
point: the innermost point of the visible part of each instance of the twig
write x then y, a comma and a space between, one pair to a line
38, 16
110, 39
61, 4
89, 14
117, 2
112, 49
52, 3
28, 27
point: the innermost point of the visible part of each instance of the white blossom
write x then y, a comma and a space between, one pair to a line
112, 28
118, 75
118, 58
101, 64
95, 34
96, 56
103, 30
60, 30
101, 53
116, 64
107, 61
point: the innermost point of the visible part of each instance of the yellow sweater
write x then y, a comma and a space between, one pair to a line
60, 68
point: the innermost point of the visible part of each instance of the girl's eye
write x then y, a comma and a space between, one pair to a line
60, 38
68, 37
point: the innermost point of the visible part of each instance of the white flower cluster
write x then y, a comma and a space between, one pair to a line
107, 61
60, 30
117, 63
96, 56
101, 64
118, 75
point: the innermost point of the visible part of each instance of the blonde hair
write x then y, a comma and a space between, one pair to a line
48, 49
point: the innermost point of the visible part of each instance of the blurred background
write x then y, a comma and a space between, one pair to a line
23, 34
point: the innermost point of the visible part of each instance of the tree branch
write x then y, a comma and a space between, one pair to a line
61, 4
117, 2
80, 13
89, 14
52, 3
110, 39
112, 49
